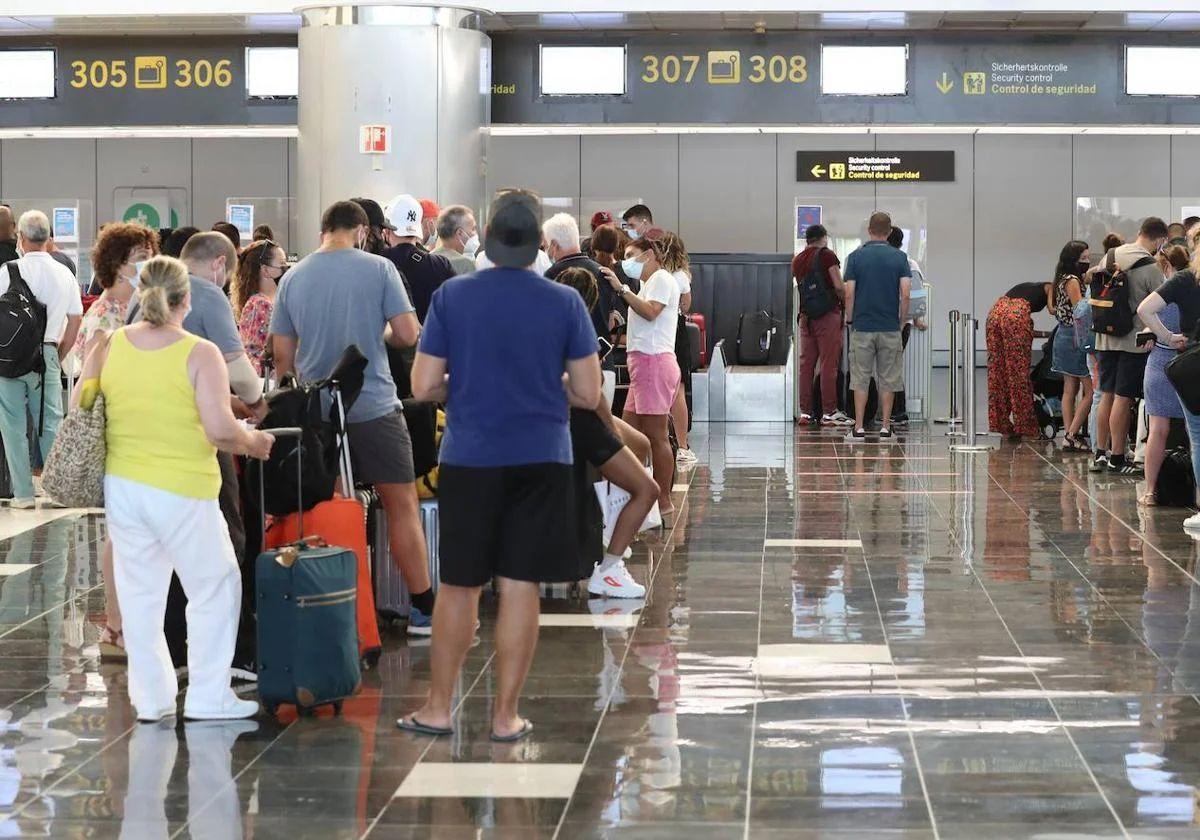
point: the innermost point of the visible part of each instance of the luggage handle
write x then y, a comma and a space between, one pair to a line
283, 432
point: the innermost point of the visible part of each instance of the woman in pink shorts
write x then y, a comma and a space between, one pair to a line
653, 370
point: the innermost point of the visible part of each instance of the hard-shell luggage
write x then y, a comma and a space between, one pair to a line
695, 343
307, 627
698, 319
392, 599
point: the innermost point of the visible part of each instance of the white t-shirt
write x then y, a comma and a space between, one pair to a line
540, 265
53, 285
684, 280
657, 336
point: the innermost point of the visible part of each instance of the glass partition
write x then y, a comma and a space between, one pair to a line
74, 223
1096, 217
278, 212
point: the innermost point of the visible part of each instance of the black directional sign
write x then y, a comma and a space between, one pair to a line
846, 167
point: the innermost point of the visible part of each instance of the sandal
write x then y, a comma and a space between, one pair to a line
1148, 499
1074, 444
112, 645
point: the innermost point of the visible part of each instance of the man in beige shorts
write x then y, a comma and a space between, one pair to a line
878, 281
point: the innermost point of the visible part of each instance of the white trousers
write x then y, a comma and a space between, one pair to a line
155, 533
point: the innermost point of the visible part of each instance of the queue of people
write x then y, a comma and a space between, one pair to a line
210, 318
1122, 315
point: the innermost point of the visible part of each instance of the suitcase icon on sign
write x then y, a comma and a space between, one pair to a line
150, 71
724, 67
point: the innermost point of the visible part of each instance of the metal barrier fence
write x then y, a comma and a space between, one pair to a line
918, 367
968, 332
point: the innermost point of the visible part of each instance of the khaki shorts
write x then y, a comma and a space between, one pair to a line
877, 354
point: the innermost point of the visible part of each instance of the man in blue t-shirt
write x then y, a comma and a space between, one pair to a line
878, 281
341, 295
505, 486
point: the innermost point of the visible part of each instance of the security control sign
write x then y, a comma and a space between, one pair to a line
845, 167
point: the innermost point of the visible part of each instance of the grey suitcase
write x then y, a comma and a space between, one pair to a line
391, 593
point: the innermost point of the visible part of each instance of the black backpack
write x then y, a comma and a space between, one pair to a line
755, 332
1108, 295
22, 328
815, 299
1176, 487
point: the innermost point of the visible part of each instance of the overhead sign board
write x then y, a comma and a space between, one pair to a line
143, 81
775, 79
847, 167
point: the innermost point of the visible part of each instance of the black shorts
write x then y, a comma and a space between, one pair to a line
1121, 373
515, 522
591, 440
381, 450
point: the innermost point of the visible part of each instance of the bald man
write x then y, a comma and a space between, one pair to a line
8, 235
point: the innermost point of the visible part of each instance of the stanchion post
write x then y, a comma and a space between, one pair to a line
953, 415
969, 444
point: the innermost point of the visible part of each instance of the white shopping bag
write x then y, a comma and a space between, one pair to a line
613, 500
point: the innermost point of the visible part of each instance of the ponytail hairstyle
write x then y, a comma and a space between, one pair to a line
163, 288
675, 255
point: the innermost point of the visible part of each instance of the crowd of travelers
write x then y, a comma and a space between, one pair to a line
183, 332
1123, 313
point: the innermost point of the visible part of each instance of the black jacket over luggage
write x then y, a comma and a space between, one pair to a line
756, 330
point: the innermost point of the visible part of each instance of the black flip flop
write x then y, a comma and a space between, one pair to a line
526, 728
411, 724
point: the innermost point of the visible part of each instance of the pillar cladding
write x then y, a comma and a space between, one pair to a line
423, 73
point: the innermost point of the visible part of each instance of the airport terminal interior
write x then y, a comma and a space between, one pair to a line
954, 596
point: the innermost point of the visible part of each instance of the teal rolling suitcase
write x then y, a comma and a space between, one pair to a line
307, 622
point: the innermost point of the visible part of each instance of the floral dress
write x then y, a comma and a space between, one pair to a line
254, 326
108, 314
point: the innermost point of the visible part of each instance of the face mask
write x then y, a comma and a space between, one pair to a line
432, 241
632, 268
136, 279
633, 234
1081, 268
471, 245
20, 250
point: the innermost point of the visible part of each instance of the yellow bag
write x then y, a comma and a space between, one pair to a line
427, 485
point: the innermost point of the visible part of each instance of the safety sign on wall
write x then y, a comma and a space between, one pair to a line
375, 139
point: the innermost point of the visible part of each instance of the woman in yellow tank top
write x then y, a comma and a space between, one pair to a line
166, 396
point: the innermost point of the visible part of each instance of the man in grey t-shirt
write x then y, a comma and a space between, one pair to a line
337, 296
1122, 361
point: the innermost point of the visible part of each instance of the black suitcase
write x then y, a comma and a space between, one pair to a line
755, 335
307, 621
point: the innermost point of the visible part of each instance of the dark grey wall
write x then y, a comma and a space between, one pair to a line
1003, 220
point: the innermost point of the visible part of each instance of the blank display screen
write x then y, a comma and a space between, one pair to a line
26, 74
864, 71
1162, 71
582, 71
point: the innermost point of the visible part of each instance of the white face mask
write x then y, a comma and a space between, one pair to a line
432, 241
136, 279
471, 245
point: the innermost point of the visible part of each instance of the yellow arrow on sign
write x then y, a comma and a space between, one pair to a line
818, 171
945, 84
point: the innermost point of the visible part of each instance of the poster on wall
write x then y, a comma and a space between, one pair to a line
154, 207
807, 215
65, 223
241, 216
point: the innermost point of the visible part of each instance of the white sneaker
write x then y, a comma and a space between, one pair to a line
804, 419
685, 456
615, 582
628, 553
838, 418
1192, 523
231, 709
23, 504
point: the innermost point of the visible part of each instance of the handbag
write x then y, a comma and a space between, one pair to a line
74, 471
1184, 373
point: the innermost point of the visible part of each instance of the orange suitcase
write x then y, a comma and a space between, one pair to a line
341, 522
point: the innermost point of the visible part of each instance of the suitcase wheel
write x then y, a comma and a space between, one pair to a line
370, 659
337, 707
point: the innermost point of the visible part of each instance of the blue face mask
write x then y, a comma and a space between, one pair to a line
136, 279
632, 268
633, 234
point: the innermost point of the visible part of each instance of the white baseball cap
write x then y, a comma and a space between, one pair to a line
404, 212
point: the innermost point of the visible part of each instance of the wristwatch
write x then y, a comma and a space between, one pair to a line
625, 290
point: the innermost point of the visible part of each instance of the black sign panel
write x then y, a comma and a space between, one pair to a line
847, 167
144, 81
721, 78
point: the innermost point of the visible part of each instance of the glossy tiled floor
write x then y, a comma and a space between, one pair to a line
839, 641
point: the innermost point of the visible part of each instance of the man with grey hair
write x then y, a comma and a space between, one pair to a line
38, 392
458, 238
8, 234
561, 233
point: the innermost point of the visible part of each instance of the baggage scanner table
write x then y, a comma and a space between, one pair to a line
745, 394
